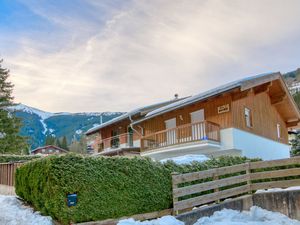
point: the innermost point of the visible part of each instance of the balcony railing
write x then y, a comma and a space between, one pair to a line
120, 141
202, 131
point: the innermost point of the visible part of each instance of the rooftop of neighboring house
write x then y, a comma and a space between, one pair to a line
243, 84
49, 147
142, 111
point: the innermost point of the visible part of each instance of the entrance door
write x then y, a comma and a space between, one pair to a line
115, 140
130, 137
198, 128
171, 134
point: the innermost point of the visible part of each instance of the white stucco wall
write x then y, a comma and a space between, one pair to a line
252, 145
137, 143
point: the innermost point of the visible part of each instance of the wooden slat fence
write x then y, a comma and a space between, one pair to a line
7, 173
215, 185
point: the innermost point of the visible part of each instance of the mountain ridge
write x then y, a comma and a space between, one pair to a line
38, 124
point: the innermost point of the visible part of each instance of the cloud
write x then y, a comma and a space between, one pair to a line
146, 51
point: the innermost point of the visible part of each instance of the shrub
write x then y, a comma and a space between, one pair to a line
16, 158
107, 187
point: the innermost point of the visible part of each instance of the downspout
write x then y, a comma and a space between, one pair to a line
131, 126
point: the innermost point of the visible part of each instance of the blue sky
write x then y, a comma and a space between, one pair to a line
115, 55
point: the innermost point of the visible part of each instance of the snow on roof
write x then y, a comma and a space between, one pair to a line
129, 114
201, 96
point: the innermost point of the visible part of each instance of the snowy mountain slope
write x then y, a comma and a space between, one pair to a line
37, 124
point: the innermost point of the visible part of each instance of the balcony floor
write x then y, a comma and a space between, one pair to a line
206, 147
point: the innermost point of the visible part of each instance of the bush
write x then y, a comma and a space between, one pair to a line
16, 158
107, 187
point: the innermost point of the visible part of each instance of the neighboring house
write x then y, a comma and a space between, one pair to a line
294, 88
292, 135
48, 150
249, 117
117, 136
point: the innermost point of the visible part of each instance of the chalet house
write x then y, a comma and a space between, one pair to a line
248, 117
48, 150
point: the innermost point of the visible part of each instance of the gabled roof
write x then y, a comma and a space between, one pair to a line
49, 146
139, 111
243, 84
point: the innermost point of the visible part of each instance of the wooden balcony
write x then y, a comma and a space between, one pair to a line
119, 141
193, 132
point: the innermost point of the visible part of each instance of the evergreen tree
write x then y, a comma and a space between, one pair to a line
50, 140
10, 140
296, 145
64, 143
57, 142
297, 99
79, 146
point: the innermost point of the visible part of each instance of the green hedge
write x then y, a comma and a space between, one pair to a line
16, 158
107, 187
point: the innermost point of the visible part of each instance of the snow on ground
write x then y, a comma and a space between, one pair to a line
166, 220
12, 212
295, 188
256, 216
187, 159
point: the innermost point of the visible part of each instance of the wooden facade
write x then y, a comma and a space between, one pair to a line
267, 103
114, 135
261, 105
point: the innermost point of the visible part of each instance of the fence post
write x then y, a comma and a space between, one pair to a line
248, 172
174, 186
216, 177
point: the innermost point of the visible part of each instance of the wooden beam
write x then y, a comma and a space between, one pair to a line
292, 124
278, 98
242, 94
262, 88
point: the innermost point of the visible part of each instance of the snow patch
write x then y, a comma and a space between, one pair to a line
295, 188
78, 131
24, 108
256, 216
12, 212
51, 130
44, 126
186, 159
166, 220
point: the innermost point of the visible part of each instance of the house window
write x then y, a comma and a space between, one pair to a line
50, 150
278, 131
248, 117
43, 150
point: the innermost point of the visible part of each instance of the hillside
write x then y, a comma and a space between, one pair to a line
37, 124
291, 77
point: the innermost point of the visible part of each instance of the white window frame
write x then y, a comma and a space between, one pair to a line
278, 130
248, 117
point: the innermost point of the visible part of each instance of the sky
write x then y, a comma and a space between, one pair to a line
117, 55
